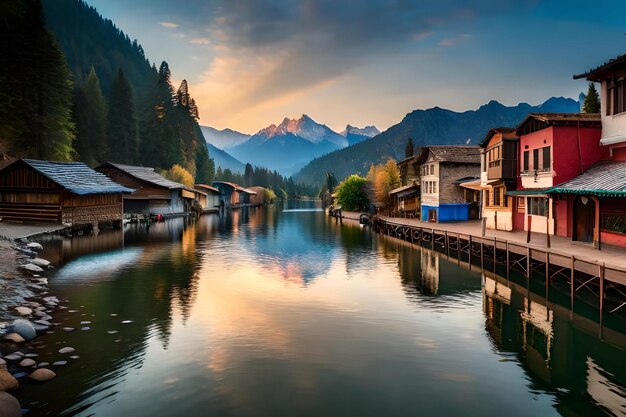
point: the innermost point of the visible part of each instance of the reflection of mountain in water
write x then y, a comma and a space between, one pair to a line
557, 356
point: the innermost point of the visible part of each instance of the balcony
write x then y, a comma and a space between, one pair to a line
502, 169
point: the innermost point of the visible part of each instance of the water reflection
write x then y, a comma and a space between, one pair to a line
558, 357
267, 312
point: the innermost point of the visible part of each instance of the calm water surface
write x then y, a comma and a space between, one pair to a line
288, 313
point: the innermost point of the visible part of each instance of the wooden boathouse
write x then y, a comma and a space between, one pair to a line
153, 194
208, 197
59, 192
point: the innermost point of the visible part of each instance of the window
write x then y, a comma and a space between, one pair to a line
497, 198
535, 159
616, 100
432, 170
538, 206
526, 160
546, 159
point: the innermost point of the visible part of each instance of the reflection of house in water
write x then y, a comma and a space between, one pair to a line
554, 353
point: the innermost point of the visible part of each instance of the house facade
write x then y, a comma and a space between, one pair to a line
406, 198
228, 195
59, 192
210, 201
499, 173
153, 194
553, 148
442, 171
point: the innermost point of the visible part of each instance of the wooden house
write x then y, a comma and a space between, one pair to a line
442, 171
229, 197
246, 196
153, 194
208, 197
499, 173
553, 148
59, 192
406, 198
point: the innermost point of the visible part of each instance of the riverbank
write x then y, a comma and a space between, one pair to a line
26, 313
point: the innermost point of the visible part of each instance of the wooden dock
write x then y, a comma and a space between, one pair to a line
587, 282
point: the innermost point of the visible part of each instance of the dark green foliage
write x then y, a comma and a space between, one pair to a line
331, 182
352, 194
35, 86
247, 175
592, 101
90, 40
122, 135
91, 121
205, 167
408, 150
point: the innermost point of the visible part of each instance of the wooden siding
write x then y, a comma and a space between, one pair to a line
143, 189
21, 177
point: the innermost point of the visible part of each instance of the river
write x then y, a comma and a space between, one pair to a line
281, 311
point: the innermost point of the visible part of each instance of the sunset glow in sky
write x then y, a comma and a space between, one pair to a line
252, 63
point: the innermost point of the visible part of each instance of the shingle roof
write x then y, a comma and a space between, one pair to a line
206, 187
504, 130
604, 179
77, 177
593, 75
456, 153
149, 175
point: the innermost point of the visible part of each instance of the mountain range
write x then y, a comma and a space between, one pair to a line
434, 126
285, 147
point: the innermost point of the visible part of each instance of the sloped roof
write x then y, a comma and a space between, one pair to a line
534, 122
149, 175
504, 130
596, 73
404, 188
206, 187
237, 187
76, 177
467, 154
604, 179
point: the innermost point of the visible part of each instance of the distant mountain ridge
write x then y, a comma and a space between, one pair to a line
223, 159
356, 135
290, 145
223, 139
434, 126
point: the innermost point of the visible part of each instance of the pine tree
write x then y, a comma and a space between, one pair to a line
91, 121
248, 172
122, 136
592, 101
35, 86
205, 166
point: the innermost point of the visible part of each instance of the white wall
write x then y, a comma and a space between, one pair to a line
614, 125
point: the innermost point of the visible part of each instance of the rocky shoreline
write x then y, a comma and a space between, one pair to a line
27, 313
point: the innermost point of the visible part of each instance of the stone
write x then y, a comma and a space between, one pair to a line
24, 311
34, 246
69, 329
40, 262
26, 251
31, 355
41, 364
85, 328
40, 328
111, 331
9, 406
126, 321
24, 328
42, 322
59, 363
7, 381
27, 363
42, 375
13, 337
32, 268
75, 357
67, 349
51, 299
12, 357
85, 322
3, 364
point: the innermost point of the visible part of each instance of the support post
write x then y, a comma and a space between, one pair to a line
529, 222
508, 263
482, 255
447, 243
548, 231
571, 288
601, 275
528, 266
547, 275
484, 227
495, 253
469, 250
596, 229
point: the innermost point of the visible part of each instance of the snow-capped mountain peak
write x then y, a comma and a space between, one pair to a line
369, 131
306, 128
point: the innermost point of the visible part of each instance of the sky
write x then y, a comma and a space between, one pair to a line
250, 63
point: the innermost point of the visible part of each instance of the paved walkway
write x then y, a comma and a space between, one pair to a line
612, 256
14, 231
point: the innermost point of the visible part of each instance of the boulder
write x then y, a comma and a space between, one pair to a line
34, 246
32, 268
13, 337
24, 311
27, 363
59, 363
3, 364
25, 329
9, 406
42, 375
13, 357
40, 262
67, 349
7, 381
42, 322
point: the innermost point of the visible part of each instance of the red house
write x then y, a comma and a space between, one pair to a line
555, 148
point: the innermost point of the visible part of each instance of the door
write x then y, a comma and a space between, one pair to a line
584, 219
432, 215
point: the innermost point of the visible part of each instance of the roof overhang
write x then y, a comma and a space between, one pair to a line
472, 185
612, 140
538, 192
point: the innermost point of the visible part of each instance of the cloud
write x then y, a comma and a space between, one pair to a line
169, 25
200, 41
179, 35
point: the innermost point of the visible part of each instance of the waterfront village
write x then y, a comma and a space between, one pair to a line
554, 174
